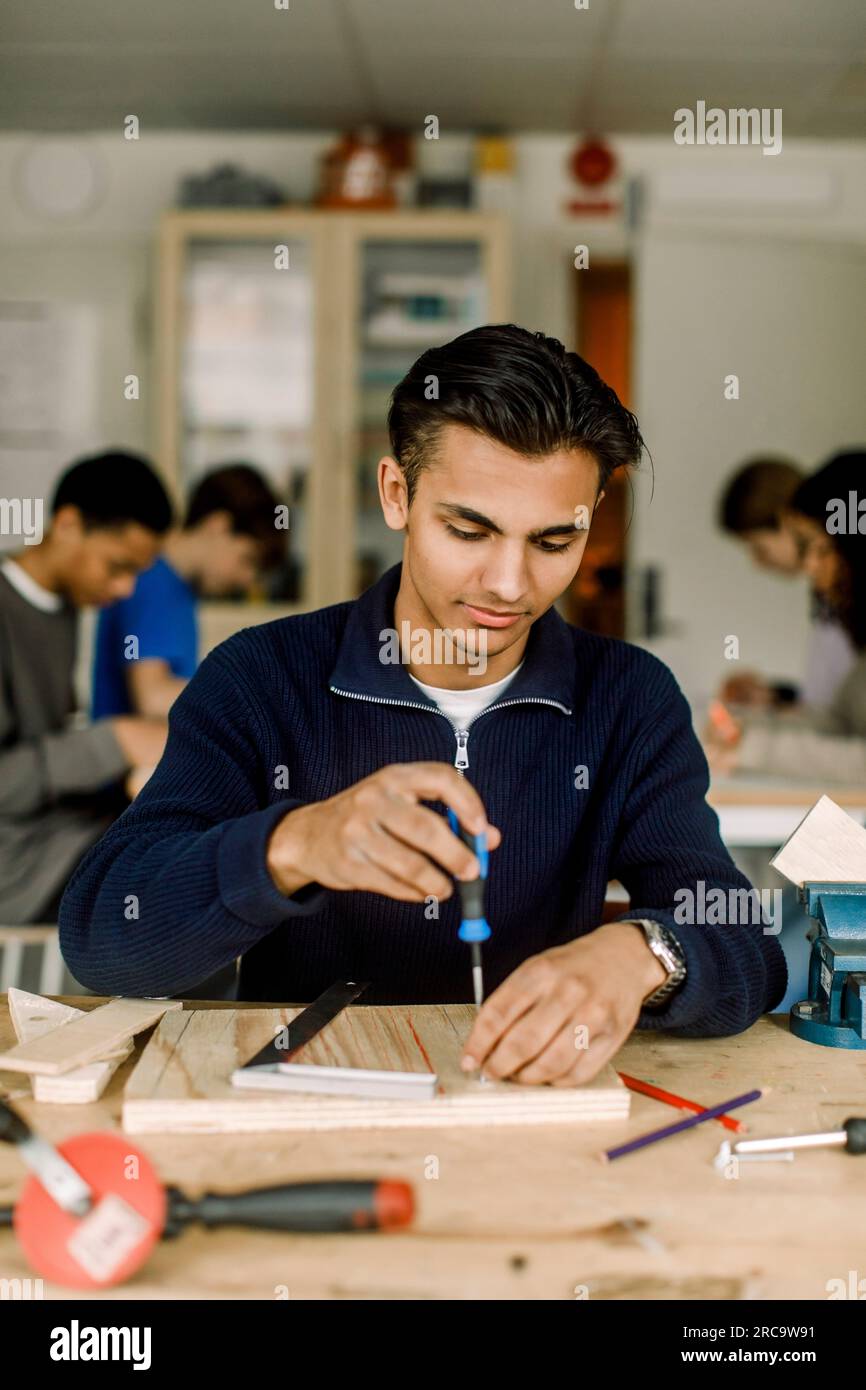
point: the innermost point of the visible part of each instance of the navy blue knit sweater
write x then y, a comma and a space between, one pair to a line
178, 887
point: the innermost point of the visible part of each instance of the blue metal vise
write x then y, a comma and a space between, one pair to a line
834, 1015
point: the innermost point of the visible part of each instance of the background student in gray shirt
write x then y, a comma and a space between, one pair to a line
60, 783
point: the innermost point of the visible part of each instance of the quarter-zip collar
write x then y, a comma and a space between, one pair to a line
548, 673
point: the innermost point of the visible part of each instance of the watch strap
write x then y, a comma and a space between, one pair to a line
655, 931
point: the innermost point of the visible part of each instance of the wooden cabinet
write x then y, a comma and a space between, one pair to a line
279, 337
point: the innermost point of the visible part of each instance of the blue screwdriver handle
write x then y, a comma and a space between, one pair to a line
474, 925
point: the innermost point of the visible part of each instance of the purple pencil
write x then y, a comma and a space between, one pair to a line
654, 1135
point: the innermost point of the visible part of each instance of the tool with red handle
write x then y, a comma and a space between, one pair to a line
94, 1208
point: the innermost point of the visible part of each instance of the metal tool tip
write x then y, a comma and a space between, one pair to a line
478, 985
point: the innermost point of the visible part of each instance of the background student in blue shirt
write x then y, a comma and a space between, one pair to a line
147, 645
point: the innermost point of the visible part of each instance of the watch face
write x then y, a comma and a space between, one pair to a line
675, 949
667, 958
666, 949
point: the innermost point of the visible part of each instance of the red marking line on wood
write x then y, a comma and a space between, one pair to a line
422, 1049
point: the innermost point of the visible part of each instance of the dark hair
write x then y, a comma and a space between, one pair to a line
757, 494
841, 474
112, 490
520, 388
242, 492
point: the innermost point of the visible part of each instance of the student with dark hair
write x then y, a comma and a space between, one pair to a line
828, 743
147, 644
828, 520
58, 783
755, 509
751, 509
296, 816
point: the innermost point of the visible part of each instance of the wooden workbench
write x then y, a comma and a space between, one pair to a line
529, 1213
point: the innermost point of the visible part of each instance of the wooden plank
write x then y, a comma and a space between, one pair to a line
182, 1084
827, 847
32, 1016
87, 1039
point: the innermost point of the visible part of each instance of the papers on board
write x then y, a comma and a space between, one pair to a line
338, 1081
828, 846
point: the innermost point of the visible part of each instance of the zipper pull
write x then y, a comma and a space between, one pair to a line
462, 759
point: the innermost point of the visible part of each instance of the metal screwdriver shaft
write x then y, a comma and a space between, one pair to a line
477, 973
851, 1137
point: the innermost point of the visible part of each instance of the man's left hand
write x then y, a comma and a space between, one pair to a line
562, 1014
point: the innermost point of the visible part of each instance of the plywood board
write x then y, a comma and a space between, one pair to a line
828, 846
182, 1082
32, 1015
86, 1039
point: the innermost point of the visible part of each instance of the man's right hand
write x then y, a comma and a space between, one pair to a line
375, 837
141, 740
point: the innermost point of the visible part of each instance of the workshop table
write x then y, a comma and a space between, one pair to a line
525, 1212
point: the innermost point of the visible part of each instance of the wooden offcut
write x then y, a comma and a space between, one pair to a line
88, 1039
32, 1016
828, 846
182, 1083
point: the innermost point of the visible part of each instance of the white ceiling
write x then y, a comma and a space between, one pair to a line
620, 65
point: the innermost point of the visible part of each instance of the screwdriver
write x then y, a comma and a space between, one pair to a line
474, 927
851, 1137
366, 1204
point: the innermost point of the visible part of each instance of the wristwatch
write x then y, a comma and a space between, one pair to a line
667, 949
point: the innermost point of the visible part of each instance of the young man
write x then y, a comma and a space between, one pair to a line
147, 645
290, 820
108, 515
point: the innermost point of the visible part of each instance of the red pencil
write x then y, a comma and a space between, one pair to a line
679, 1101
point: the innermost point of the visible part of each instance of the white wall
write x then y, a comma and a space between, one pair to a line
758, 271
787, 318
101, 263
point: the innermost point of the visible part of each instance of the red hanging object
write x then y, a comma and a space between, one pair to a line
593, 163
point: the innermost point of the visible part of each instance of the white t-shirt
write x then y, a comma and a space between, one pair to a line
29, 589
462, 706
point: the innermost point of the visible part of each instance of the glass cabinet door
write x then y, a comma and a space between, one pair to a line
247, 375
415, 294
